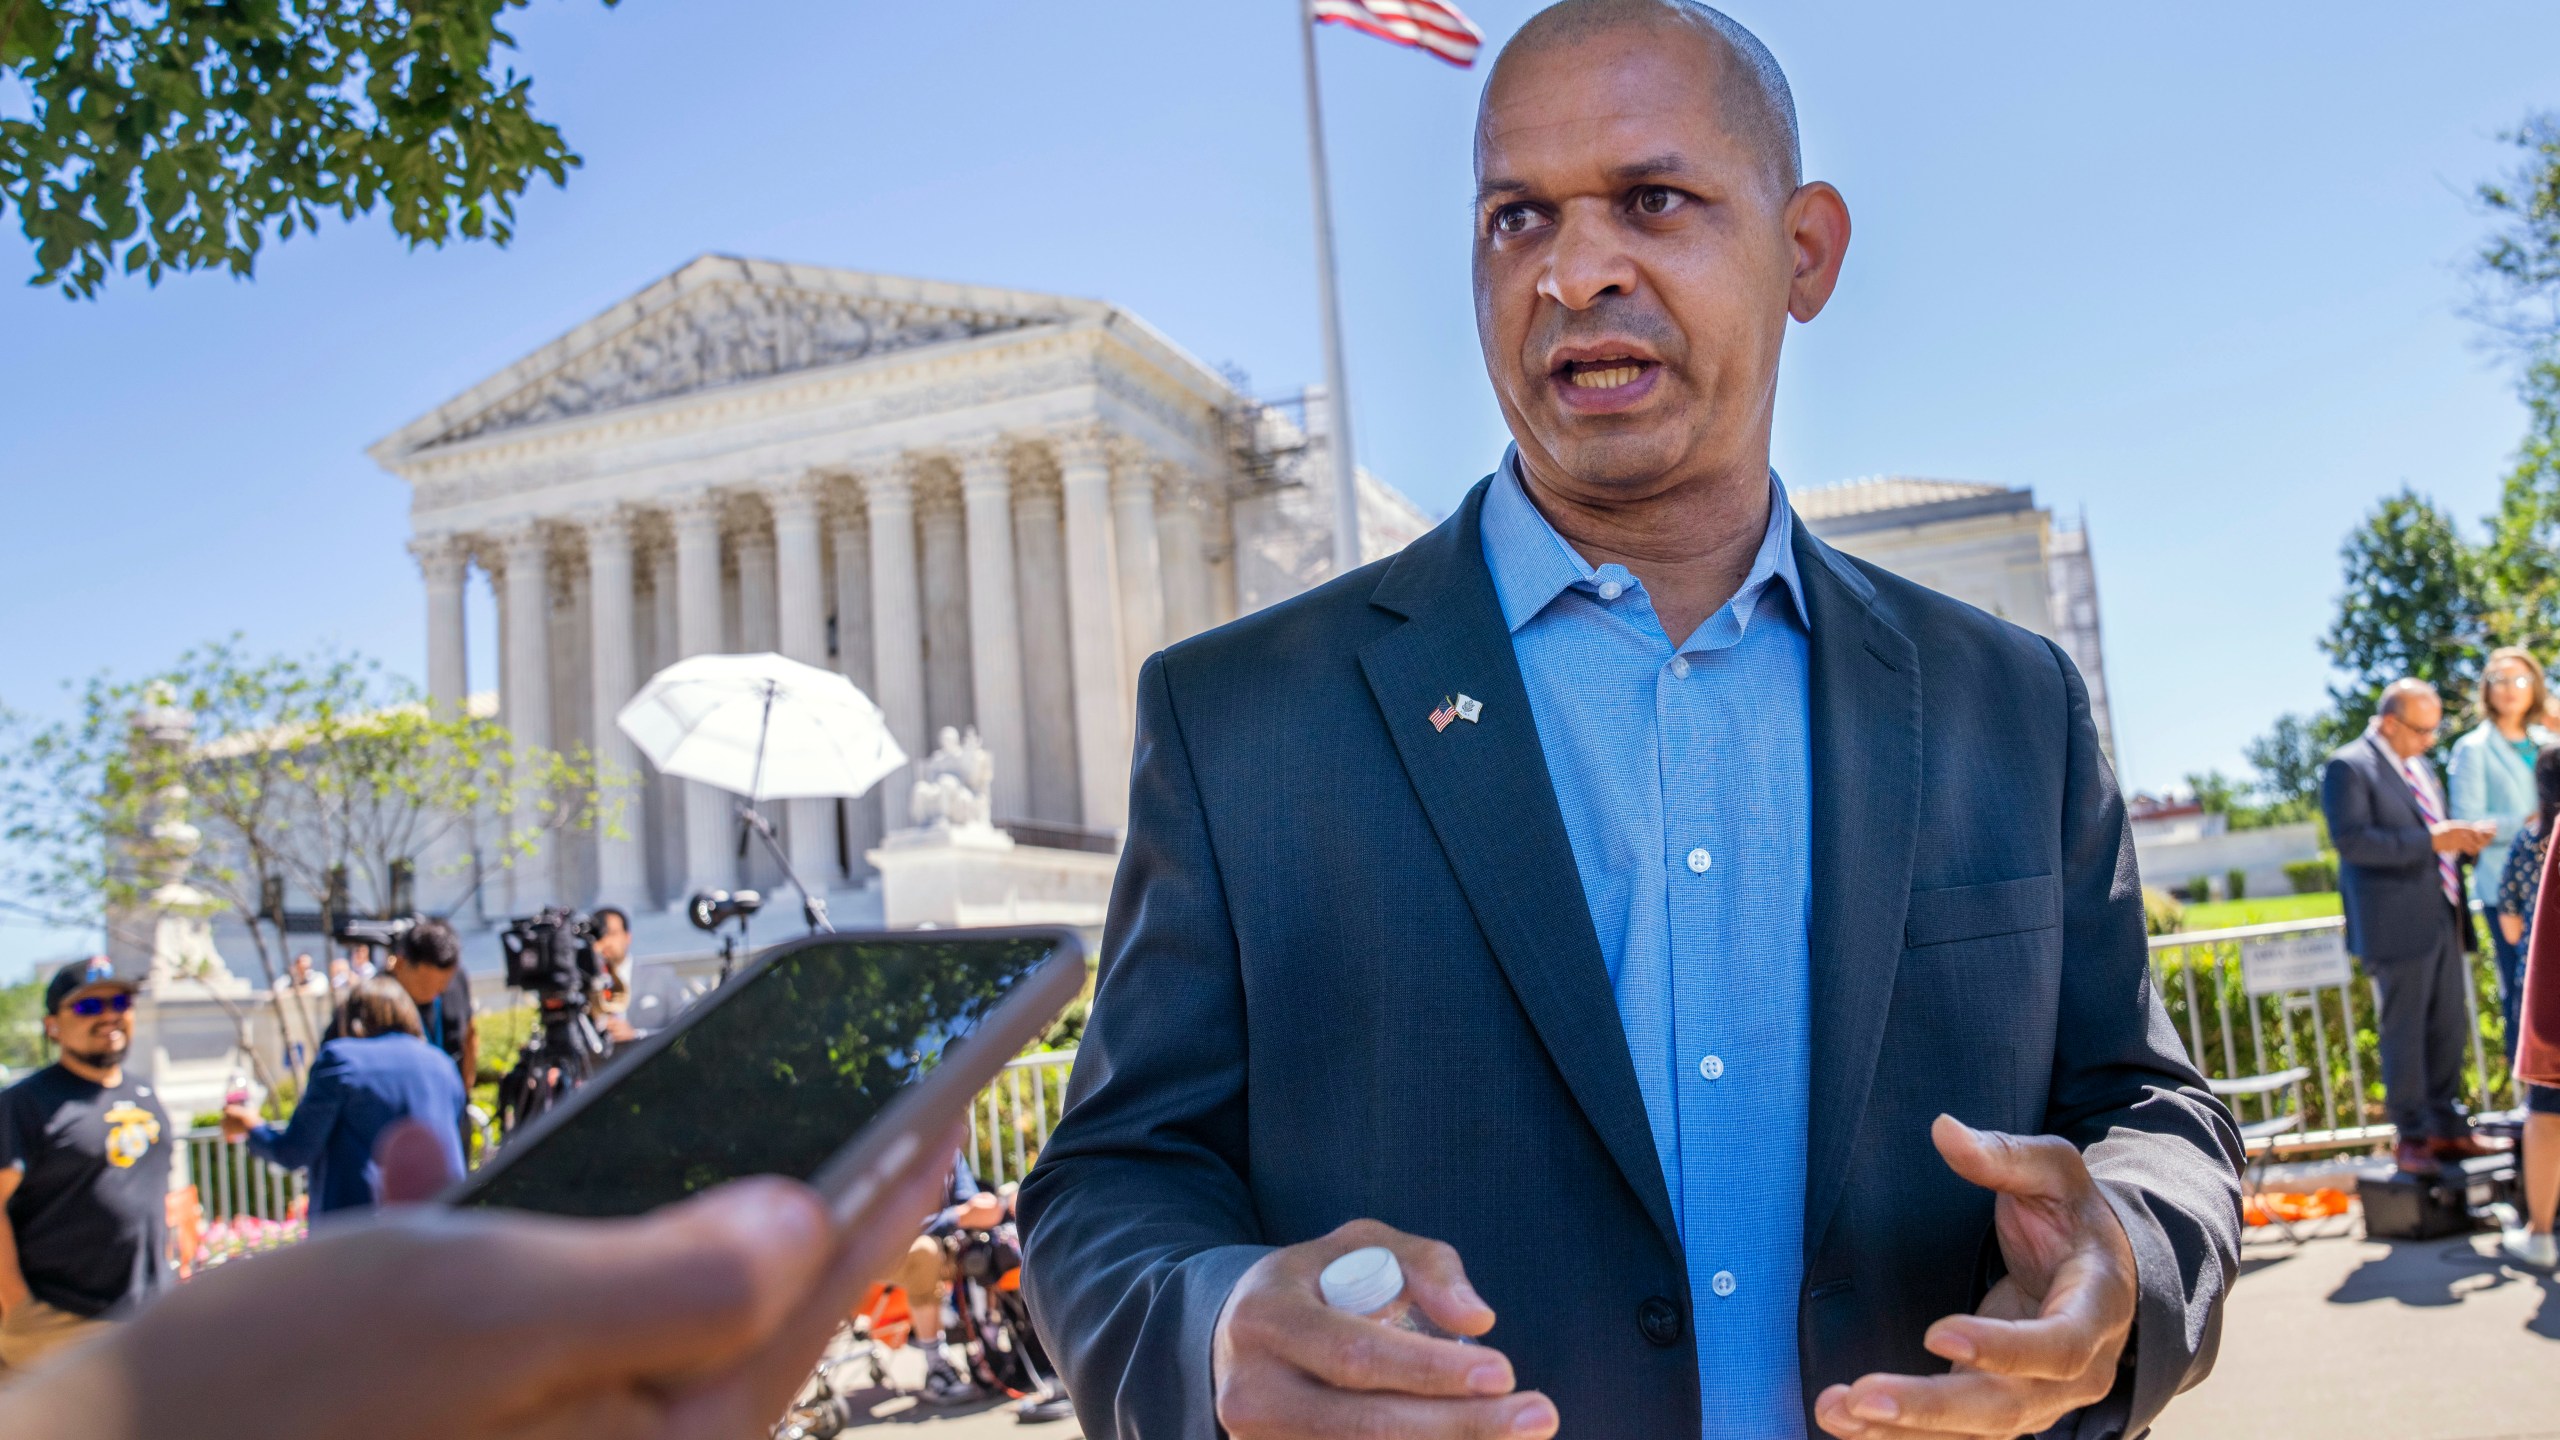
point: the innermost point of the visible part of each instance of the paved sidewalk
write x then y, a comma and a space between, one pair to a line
2346, 1338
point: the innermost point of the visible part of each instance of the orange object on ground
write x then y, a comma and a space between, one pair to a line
884, 1307
2267, 1207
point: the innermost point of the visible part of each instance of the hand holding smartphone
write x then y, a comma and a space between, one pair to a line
837, 1060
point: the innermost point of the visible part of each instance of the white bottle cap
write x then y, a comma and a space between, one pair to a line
1362, 1282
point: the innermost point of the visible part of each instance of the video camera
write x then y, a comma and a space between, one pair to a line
552, 953
382, 935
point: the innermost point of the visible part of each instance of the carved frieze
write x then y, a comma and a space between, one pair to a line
726, 334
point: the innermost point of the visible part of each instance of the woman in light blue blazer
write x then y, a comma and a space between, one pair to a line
2491, 778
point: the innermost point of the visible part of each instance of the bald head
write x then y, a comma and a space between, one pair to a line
2408, 716
1753, 95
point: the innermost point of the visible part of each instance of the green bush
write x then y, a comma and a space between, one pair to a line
2198, 891
2235, 884
2313, 877
2161, 912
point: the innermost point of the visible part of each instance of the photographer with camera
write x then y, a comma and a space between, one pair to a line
558, 956
426, 960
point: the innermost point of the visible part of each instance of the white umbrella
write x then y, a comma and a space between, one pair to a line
762, 727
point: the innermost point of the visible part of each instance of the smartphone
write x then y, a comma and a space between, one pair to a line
829, 1059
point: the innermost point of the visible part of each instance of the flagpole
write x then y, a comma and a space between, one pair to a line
1346, 479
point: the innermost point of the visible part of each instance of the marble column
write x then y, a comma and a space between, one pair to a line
489, 864
528, 695
1133, 507
709, 829
995, 624
1103, 699
1186, 563
897, 626
759, 627
1048, 684
446, 566
666, 830
943, 569
800, 584
851, 542
622, 872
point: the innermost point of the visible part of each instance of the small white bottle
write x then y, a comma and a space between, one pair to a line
1368, 1282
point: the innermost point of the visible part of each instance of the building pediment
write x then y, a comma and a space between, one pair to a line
723, 321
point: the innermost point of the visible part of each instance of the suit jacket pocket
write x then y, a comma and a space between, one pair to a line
1974, 912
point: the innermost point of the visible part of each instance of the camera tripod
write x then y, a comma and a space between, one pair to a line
556, 1059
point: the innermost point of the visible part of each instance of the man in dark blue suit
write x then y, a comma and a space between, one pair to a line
1729, 955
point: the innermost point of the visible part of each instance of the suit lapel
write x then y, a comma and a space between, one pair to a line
1486, 789
1865, 697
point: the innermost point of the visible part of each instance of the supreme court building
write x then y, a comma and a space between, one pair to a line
985, 507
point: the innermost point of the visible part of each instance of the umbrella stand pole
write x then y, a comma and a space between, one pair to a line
813, 907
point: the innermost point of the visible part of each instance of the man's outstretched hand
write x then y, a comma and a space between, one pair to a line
2047, 1338
1287, 1365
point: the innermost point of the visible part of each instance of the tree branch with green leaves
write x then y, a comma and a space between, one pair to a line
155, 137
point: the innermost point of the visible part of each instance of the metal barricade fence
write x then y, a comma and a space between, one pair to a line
232, 1183
1012, 1117
2256, 999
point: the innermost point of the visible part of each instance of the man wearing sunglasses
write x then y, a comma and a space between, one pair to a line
84, 1175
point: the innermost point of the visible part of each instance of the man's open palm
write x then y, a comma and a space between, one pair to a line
2047, 1338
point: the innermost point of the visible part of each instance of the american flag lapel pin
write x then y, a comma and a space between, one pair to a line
1447, 711
1469, 707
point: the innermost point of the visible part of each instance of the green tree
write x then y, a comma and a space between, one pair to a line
297, 767
2413, 604
2289, 756
178, 135
2518, 274
22, 1042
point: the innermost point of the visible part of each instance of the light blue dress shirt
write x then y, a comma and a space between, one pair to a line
1685, 779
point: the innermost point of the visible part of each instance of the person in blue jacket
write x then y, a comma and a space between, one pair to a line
379, 1072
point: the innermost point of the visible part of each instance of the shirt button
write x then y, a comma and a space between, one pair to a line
1611, 589
1679, 667
1722, 1284
1699, 860
1712, 1068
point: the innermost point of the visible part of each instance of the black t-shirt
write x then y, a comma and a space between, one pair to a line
90, 1215
445, 1020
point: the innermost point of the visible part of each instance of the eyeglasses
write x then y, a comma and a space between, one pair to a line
93, 1006
2510, 682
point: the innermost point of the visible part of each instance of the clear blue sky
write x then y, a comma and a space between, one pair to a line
2194, 269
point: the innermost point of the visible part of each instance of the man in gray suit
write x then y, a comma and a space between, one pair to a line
2402, 887
1718, 957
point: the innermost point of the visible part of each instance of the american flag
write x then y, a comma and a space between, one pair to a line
1423, 24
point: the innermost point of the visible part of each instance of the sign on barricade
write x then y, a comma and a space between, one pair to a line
2306, 961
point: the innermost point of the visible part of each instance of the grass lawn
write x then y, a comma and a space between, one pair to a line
2222, 914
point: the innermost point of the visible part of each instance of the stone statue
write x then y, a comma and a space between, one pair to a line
955, 784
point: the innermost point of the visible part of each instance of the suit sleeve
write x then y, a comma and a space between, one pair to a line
2346, 798
1137, 1220
314, 1116
2162, 1148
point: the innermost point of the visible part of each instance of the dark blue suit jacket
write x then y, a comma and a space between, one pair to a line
2388, 880
356, 1089
1348, 972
